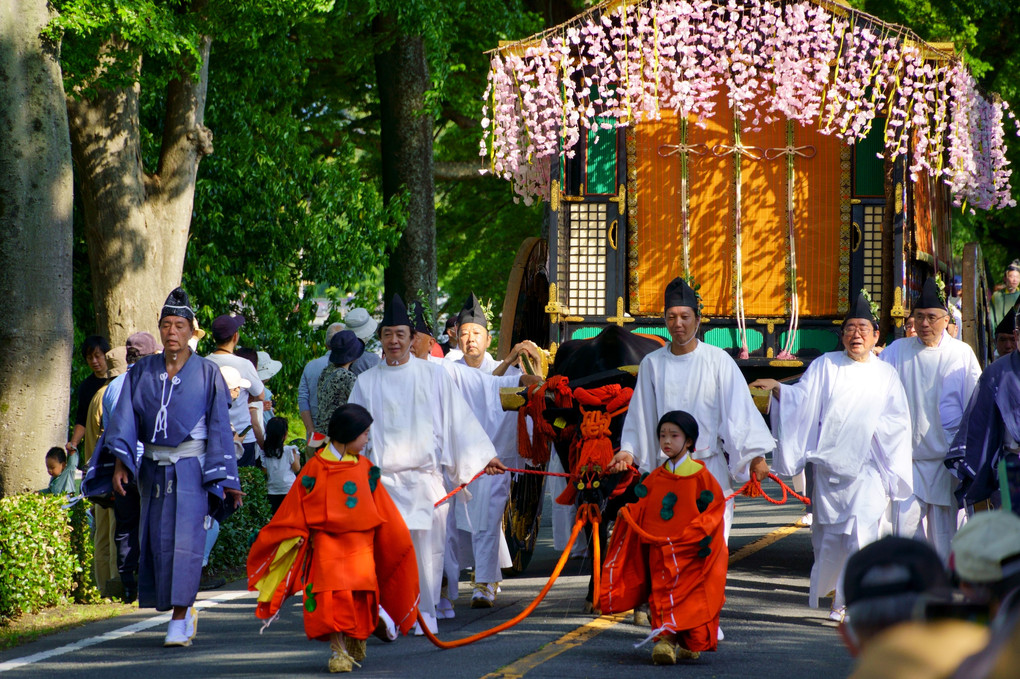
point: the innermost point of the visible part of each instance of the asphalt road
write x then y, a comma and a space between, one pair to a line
769, 629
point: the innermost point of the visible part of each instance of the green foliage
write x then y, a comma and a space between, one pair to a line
83, 589
276, 205
239, 530
44, 559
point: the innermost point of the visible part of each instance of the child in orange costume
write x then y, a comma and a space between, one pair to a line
668, 549
336, 536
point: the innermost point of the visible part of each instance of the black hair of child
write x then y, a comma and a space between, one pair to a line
276, 433
57, 453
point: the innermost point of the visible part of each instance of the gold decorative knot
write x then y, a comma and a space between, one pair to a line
738, 149
802, 151
674, 149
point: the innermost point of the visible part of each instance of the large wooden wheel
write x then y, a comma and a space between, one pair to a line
977, 330
523, 318
527, 293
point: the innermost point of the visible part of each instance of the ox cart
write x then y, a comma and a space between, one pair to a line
781, 155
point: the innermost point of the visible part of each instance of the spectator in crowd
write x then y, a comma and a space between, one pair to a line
93, 350
257, 408
337, 379
282, 462
127, 507
267, 367
104, 522
900, 615
308, 386
61, 473
986, 558
1005, 299
225, 334
364, 326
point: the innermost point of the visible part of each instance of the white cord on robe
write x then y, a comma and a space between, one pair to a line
269, 622
656, 632
161, 416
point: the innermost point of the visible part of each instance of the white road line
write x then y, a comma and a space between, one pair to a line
114, 634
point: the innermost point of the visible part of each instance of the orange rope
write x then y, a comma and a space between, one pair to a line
585, 513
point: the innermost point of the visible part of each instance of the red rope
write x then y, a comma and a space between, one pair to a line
482, 473
585, 514
750, 489
753, 488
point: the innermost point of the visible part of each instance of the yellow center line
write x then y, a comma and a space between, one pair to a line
518, 668
576, 637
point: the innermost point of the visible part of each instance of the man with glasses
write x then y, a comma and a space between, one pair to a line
939, 375
846, 417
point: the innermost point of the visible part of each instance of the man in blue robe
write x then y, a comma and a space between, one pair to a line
986, 447
176, 404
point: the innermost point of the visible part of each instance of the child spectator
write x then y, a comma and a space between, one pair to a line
282, 462
668, 549
61, 472
339, 506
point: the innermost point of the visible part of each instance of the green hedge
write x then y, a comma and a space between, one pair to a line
45, 554
238, 532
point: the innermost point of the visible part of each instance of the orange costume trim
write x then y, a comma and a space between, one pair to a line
668, 549
335, 537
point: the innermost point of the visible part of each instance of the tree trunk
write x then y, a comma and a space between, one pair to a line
36, 335
137, 224
403, 78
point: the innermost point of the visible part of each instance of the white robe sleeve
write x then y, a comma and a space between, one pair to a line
958, 388
795, 420
892, 443
465, 448
741, 427
639, 437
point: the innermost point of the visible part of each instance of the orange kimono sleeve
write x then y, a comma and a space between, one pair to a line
276, 558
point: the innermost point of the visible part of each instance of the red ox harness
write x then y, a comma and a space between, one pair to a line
591, 450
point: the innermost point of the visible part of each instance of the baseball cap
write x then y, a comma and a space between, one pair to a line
893, 565
987, 548
224, 327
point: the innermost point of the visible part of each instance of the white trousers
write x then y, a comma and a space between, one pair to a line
429, 548
563, 516
488, 542
924, 521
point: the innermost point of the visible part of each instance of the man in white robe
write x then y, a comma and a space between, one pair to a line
421, 429
482, 516
472, 509
703, 380
939, 375
848, 417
